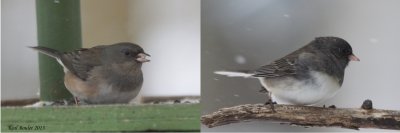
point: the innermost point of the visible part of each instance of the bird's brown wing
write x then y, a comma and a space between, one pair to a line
81, 61
282, 67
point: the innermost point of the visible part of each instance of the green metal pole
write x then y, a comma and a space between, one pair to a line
59, 27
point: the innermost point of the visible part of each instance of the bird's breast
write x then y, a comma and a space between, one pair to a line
318, 87
105, 85
124, 77
78, 87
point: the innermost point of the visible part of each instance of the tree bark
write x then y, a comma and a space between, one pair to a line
352, 118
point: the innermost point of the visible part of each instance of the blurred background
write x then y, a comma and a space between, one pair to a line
168, 30
242, 34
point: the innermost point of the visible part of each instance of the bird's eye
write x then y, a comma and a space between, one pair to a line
346, 51
125, 52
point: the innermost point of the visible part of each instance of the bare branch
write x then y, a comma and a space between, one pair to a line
352, 118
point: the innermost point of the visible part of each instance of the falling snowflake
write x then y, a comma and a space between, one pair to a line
240, 59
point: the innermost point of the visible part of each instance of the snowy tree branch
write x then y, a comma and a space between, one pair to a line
353, 118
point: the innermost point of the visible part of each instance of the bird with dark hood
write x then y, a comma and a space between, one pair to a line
103, 74
306, 76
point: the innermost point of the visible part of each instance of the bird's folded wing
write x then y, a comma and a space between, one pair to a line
282, 67
81, 61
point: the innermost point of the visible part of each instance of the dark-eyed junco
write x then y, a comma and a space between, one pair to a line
306, 76
102, 74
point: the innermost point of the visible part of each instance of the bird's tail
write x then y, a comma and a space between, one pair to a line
235, 74
48, 51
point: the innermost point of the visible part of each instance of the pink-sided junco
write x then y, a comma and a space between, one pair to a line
306, 76
103, 74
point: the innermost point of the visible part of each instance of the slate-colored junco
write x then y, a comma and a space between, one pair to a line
102, 74
306, 76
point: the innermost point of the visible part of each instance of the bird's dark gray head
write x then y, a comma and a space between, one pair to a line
126, 51
335, 52
336, 46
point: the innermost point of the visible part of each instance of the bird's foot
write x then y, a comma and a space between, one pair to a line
332, 106
271, 103
76, 101
269, 97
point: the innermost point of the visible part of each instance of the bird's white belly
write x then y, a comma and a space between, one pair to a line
97, 91
303, 92
108, 95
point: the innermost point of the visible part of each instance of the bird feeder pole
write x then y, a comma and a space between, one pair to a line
59, 27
